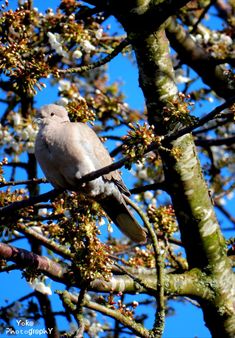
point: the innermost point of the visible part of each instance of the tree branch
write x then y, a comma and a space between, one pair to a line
115, 314
154, 186
14, 183
48, 243
228, 141
97, 64
159, 263
25, 259
202, 15
199, 60
208, 117
30, 201
119, 283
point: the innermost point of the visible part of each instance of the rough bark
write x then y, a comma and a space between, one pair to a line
201, 235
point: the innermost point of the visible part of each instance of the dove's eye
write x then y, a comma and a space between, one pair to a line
52, 114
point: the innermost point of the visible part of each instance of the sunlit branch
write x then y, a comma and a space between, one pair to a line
138, 280
138, 329
120, 283
25, 259
14, 183
198, 59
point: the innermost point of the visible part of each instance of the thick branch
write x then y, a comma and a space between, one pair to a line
175, 284
199, 60
26, 258
150, 14
200, 232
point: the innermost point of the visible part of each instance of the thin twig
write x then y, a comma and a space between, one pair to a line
137, 328
215, 142
210, 116
9, 268
33, 181
78, 314
225, 212
159, 259
48, 243
97, 64
154, 186
20, 300
205, 10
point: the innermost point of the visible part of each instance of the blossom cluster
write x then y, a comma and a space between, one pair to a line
86, 39
138, 140
20, 138
163, 218
219, 44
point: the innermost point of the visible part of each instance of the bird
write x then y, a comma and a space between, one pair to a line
66, 151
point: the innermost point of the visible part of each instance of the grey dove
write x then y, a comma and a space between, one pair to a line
66, 151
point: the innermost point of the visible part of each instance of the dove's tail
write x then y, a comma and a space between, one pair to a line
120, 214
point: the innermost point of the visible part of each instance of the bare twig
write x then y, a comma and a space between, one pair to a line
225, 212
205, 10
48, 243
138, 329
215, 142
33, 181
208, 117
97, 64
147, 187
159, 259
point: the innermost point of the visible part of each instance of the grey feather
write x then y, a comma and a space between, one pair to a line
66, 151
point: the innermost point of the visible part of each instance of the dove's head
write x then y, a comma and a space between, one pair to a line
52, 113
